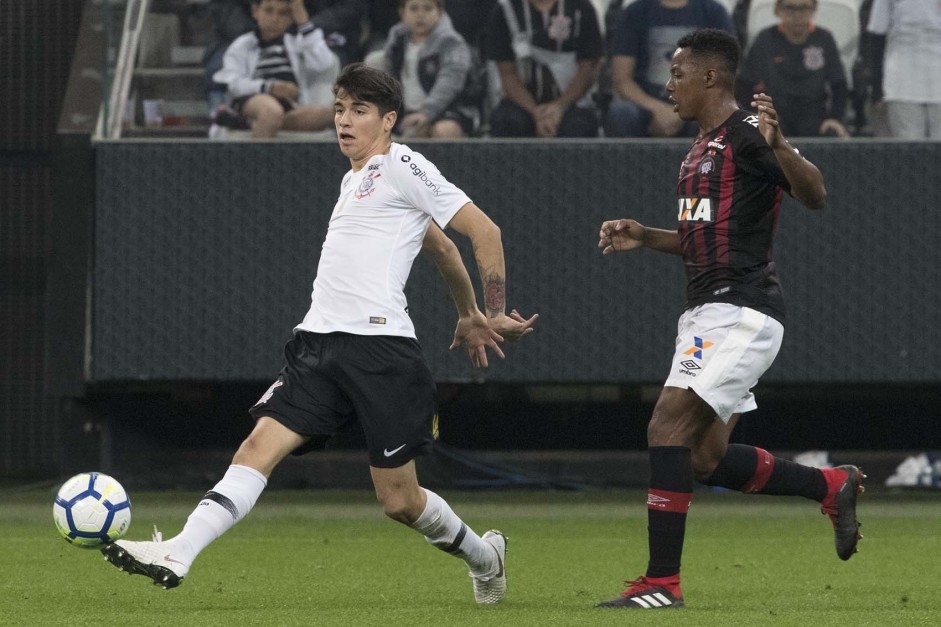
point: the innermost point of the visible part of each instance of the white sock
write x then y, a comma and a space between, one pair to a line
444, 530
227, 503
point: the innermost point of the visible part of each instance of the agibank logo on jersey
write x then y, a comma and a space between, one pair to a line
699, 345
694, 210
433, 187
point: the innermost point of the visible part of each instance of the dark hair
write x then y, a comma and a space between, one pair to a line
368, 84
440, 3
712, 42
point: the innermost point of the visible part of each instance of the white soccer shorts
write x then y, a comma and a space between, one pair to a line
721, 352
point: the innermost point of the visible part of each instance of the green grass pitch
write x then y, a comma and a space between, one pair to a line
331, 558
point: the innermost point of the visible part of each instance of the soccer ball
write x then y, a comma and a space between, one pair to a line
91, 509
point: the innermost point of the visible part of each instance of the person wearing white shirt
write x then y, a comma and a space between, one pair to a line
911, 66
355, 356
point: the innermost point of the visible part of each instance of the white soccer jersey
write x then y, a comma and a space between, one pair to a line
375, 232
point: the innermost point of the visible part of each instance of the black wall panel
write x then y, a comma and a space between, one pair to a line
205, 253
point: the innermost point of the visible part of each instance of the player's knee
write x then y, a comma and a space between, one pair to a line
703, 468
252, 454
396, 507
664, 429
706, 458
399, 504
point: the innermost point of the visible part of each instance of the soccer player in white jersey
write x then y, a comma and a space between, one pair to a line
355, 355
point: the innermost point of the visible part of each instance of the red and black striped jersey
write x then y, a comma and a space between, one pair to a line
729, 194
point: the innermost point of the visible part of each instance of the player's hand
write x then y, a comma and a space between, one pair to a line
474, 333
664, 121
286, 89
513, 327
768, 120
618, 235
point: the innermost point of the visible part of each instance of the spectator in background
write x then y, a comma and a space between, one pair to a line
340, 20
908, 73
432, 62
740, 20
383, 15
469, 18
342, 24
230, 18
547, 54
278, 80
641, 48
798, 64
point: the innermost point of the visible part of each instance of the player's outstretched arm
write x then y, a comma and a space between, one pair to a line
805, 179
472, 331
620, 235
488, 251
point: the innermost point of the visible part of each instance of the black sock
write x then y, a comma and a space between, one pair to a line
755, 471
671, 490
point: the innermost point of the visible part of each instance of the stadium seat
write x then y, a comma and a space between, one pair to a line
840, 17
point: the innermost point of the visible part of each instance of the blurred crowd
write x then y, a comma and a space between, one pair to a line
574, 68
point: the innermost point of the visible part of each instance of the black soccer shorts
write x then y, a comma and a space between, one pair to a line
329, 379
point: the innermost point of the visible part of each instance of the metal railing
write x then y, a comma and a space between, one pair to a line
111, 120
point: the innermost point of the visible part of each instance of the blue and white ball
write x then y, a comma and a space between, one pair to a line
91, 509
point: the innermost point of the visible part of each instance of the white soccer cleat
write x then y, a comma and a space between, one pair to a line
491, 589
151, 559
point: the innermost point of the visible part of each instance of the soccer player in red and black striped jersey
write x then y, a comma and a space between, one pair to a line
729, 194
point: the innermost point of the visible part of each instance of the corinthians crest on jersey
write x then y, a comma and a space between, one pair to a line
367, 184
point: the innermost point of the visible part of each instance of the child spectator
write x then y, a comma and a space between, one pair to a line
433, 62
547, 54
279, 80
798, 64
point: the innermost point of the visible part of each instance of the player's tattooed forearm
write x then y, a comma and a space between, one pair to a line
494, 295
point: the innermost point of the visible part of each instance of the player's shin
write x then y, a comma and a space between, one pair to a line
668, 499
755, 471
228, 502
443, 529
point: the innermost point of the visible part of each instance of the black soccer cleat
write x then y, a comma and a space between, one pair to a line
641, 594
840, 506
